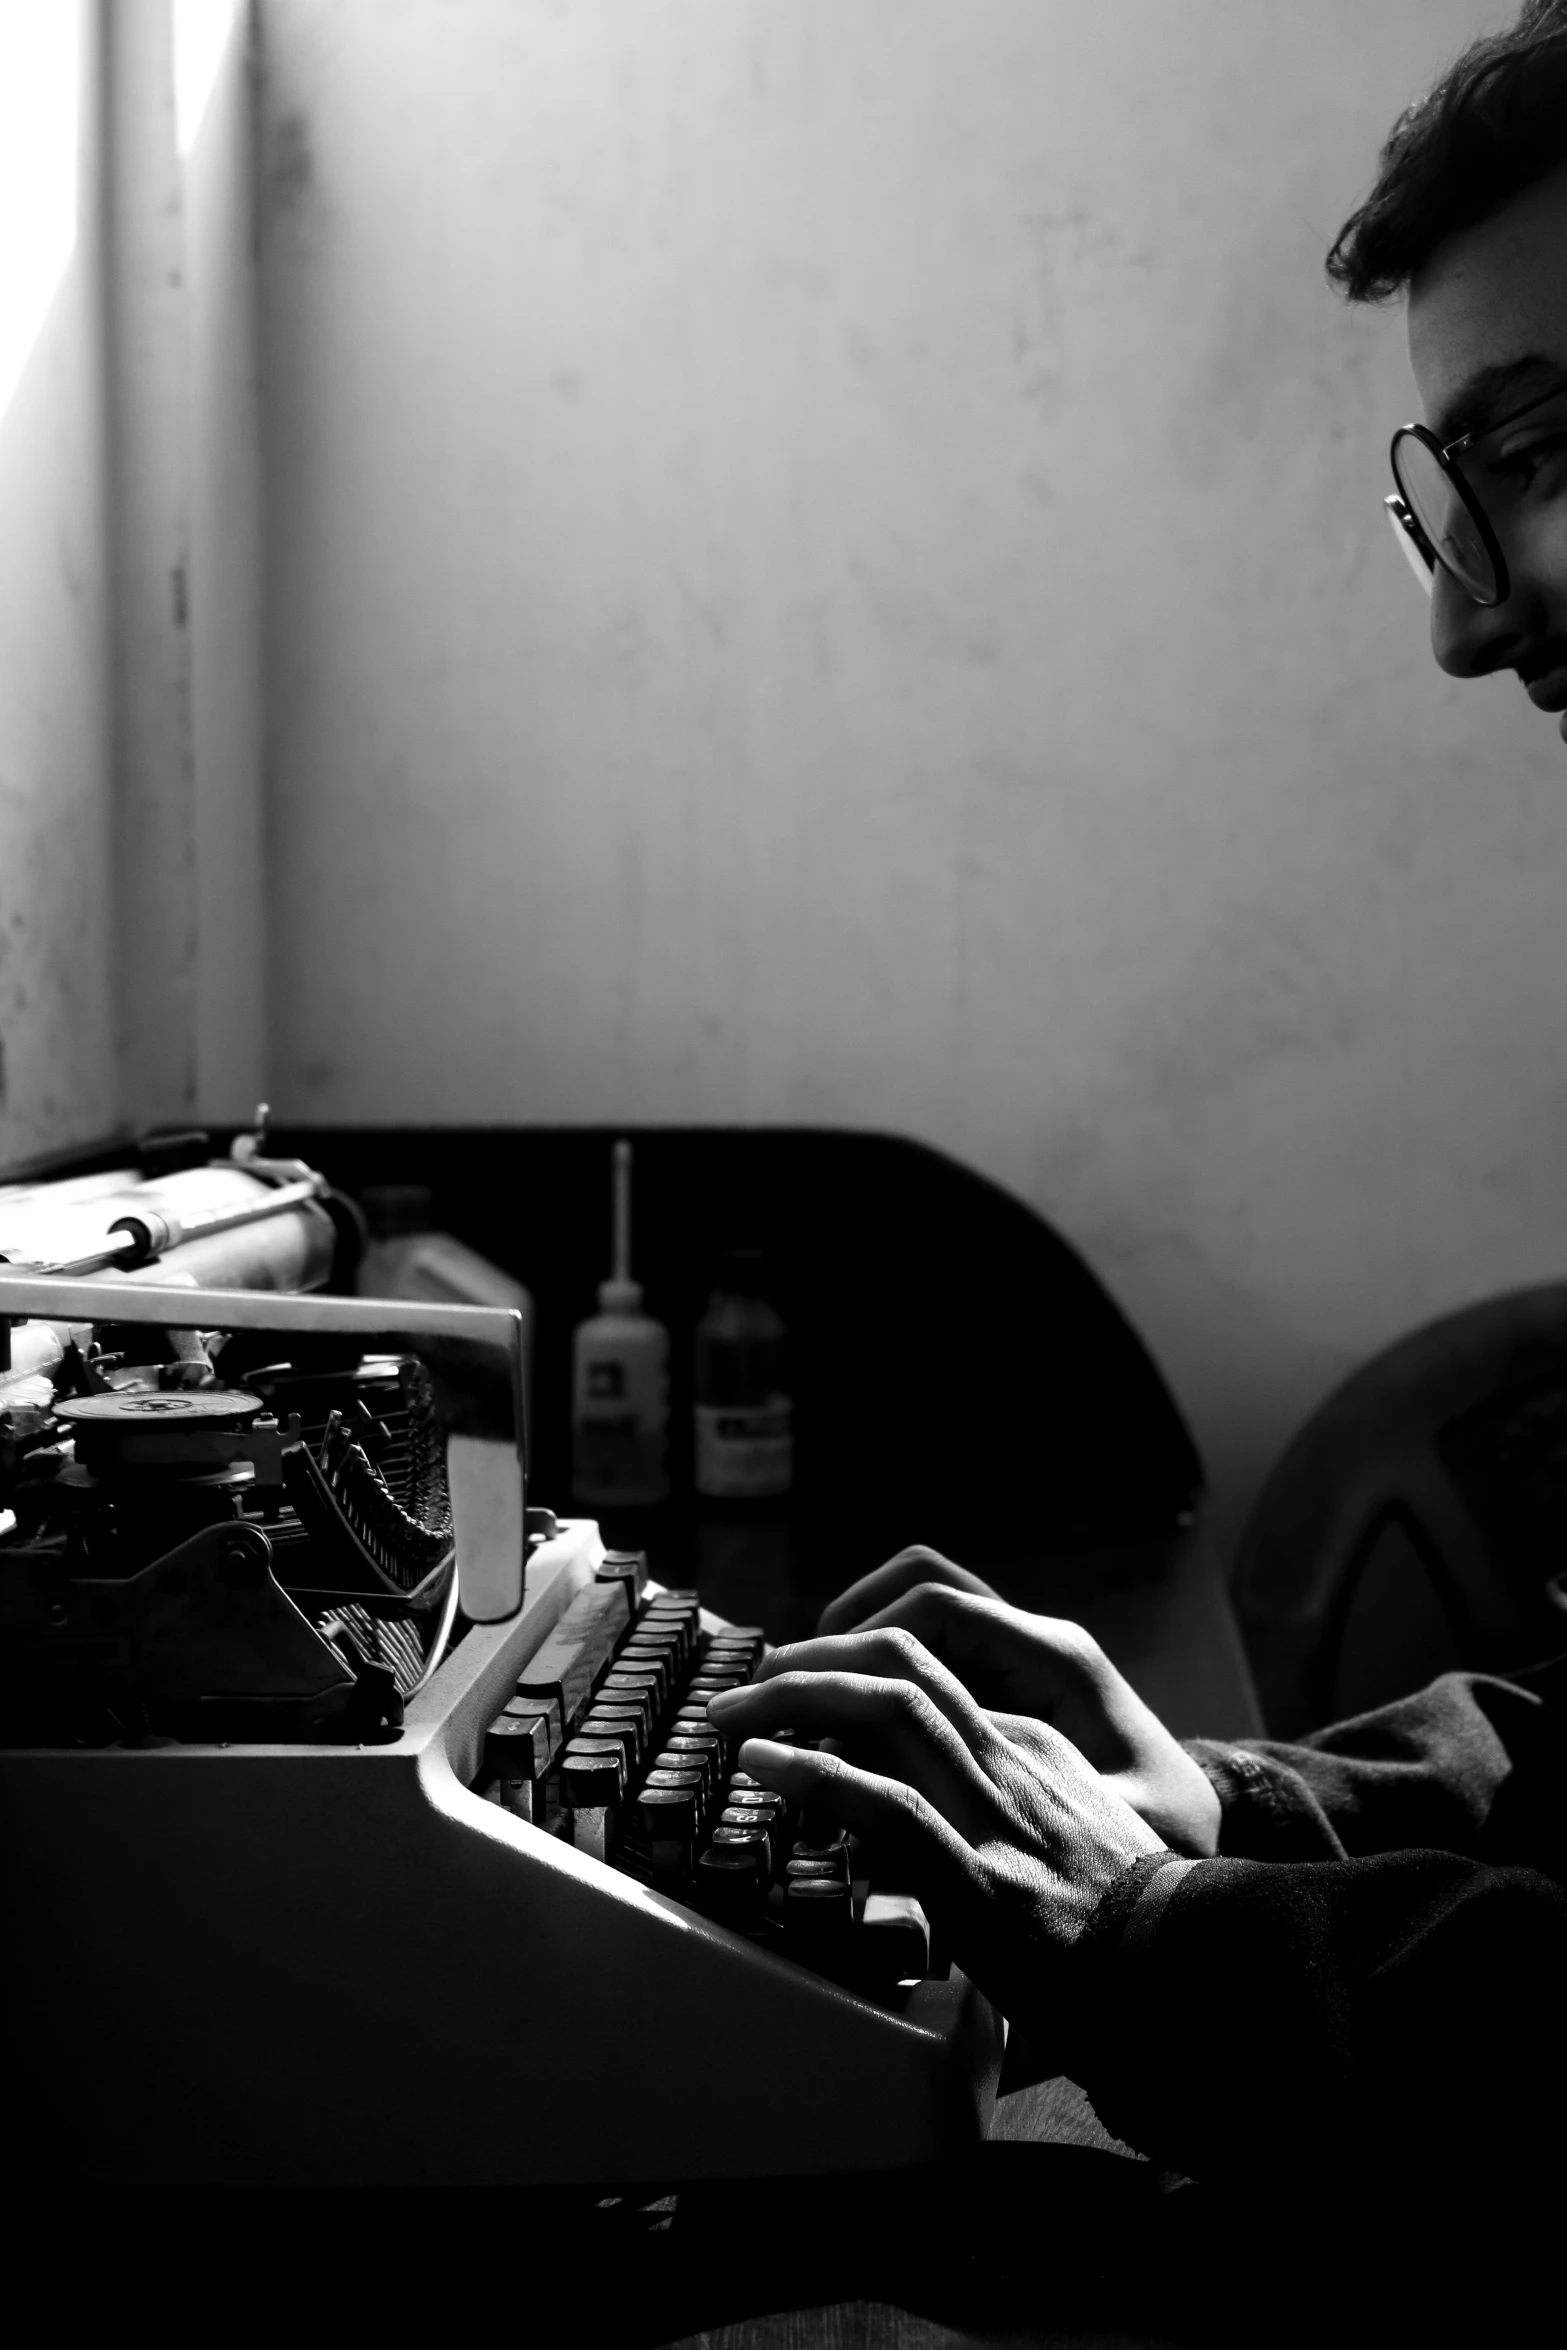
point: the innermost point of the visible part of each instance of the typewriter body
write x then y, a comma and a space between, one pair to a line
331, 1772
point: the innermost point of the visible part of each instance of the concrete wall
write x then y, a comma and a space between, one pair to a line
131, 840
213, 123
184, 474
57, 1063
825, 564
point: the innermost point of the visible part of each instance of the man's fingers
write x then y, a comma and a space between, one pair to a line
890, 1654
987, 1639
893, 1818
1012, 1661
896, 1719
1022, 1729
874, 1591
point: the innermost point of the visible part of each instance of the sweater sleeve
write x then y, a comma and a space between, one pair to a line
1474, 1764
1339, 2025
1366, 1985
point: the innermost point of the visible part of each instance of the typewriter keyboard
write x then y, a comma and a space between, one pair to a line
606, 1742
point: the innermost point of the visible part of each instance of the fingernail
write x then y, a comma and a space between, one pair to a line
725, 1701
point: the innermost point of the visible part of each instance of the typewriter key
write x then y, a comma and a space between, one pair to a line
618, 1724
661, 1616
519, 1746
756, 1823
664, 1777
638, 1668
725, 1652
592, 1773
696, 1754
629, 1569
667, 1814
732, 1839
682, 1636
635, 1680
659, 1669
755, 1804
766, 1823
627, 1689
892, 1941
665, 1644
830, 1859
757, 1799
819, 1911
686, 1725
672, 1757
731, 1884
742, 1831
692, 1722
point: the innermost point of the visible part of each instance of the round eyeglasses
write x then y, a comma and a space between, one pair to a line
1438, 515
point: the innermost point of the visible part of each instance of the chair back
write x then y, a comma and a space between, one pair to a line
1418, 1521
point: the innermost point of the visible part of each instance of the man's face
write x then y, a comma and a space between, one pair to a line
1487, 333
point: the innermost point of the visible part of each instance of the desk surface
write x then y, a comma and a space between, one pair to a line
1047, 2239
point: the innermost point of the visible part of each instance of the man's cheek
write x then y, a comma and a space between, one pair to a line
1544, 561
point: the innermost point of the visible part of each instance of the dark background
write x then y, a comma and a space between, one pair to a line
960, 1378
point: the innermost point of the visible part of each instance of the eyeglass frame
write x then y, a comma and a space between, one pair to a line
1406, 523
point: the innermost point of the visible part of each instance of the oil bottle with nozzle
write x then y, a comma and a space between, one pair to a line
620, 1381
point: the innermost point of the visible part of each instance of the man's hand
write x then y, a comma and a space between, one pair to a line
1009, 1840
1037, 1669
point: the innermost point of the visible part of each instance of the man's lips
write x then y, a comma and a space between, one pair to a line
1549, 691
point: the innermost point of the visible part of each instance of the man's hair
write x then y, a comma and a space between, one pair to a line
1493, 124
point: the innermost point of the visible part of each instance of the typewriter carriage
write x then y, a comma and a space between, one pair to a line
309, 1527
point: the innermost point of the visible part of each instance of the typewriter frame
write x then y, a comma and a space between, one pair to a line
325, 1965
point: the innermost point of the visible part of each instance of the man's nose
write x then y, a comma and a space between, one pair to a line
1472, 640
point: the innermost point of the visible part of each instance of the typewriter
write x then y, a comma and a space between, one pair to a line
362, 1821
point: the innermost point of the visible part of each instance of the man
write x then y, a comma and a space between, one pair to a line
1337, 1971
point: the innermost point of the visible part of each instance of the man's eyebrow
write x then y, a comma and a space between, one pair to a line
1490, 393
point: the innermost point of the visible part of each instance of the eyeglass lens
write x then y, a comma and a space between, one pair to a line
1437, 505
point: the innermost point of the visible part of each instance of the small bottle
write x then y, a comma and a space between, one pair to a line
620, 1382
744, 1411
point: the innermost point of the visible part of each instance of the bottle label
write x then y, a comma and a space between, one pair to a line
620, 1415
745, 1451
